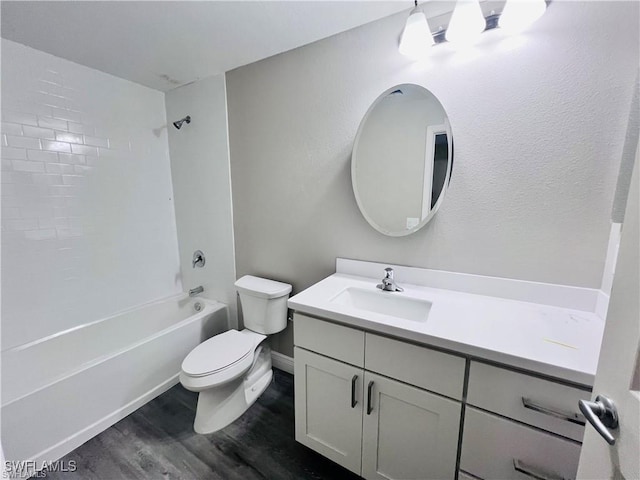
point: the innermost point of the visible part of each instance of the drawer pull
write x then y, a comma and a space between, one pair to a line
354, 402
369, 394
536, 473
576, 418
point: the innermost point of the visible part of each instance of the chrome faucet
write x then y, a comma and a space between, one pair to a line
388, 283
195, 291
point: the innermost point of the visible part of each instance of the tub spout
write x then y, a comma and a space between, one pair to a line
195, 291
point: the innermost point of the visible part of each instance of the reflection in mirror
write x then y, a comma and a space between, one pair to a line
401, 161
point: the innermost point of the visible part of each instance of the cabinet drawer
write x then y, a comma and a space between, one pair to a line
330, 339
494, 447
425, 368
541, 403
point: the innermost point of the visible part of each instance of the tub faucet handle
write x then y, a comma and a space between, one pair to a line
198, 259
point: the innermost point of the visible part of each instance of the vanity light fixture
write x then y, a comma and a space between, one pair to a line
519, 14
416, 37
467, 23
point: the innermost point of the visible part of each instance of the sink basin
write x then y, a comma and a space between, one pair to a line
385, 303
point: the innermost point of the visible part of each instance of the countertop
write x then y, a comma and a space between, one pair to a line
559, 342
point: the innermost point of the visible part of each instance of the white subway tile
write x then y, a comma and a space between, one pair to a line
10, 212
72, 179
36, 211
84, 150
82, 169
69, 137
96, 141
23, 142
62, 190
21, 224
11, 128
9, 193
57, 202
53, 101
56, 146
10, 153
47, 179
71, 158
38, 132
7, 166
59, 168
40, 234
17, 177
42, 156
80, 128
4, 140
67, 115
60, 212
54, 123
19, 117
24, 166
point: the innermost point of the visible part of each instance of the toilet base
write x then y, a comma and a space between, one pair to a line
221, 405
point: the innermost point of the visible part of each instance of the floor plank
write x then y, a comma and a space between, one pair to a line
157, 441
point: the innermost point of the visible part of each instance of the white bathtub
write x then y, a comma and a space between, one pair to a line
60, 391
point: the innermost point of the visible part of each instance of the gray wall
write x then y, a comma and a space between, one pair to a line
538, 121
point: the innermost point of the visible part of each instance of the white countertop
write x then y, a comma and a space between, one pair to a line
550, 340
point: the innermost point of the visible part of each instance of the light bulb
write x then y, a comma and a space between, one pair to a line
416, 37
467, 23
519, 14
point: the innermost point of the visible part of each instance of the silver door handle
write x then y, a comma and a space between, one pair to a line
602, 415
568, 416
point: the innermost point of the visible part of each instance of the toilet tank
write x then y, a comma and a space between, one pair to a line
264, 304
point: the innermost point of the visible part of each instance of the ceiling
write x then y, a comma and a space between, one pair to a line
167, 44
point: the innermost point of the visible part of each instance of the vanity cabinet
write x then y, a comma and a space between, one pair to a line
407, 433
329, 407
519, 426
389, 409
376, 426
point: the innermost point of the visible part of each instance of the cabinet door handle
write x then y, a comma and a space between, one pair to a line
369, 394
536, 473
576, 418
354, 402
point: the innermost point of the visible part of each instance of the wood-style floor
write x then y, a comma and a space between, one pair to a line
158, 442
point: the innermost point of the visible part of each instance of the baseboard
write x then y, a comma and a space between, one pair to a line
282, 362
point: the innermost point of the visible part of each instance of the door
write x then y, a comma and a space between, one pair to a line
618, 375
328, 407
408, 433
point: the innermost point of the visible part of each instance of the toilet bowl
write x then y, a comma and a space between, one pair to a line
231, 370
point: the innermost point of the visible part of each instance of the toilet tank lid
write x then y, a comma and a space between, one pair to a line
261, 287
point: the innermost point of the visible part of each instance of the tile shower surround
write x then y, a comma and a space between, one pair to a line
85, 187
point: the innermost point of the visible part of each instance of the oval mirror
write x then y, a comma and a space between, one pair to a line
402, 160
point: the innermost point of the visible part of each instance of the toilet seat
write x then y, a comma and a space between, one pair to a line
222, 352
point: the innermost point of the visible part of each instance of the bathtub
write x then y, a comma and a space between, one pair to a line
59, 391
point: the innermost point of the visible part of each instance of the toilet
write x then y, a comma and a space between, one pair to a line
231, 370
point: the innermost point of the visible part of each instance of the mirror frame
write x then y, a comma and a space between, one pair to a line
447, 179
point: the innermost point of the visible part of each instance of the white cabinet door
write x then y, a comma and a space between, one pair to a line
408, 433
328, 407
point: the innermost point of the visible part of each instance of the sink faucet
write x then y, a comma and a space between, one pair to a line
388, 283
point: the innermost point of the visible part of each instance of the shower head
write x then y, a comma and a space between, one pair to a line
179, 123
